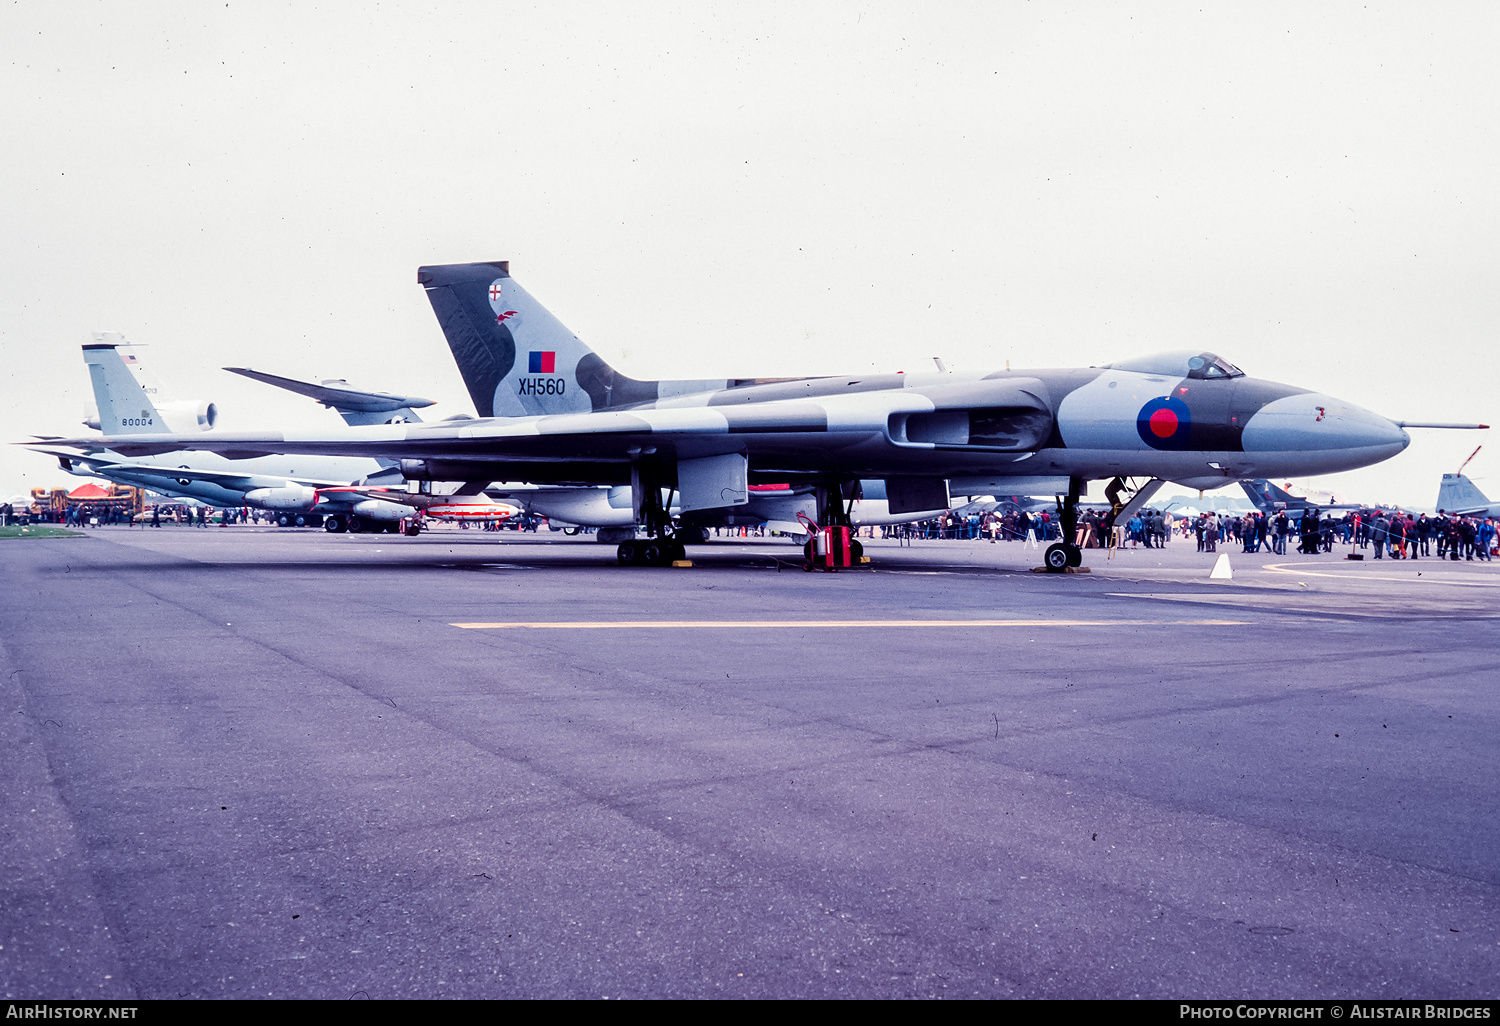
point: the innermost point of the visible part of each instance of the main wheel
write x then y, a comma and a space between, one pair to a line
1056, 558
357, 524
628, 553
413, 529
1075, 555
300, 520
654, 553
856, 550
283, 520
676, 550
333, 525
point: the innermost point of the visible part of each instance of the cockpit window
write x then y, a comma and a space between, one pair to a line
1182, 363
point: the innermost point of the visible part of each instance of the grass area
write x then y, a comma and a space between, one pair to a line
38, 531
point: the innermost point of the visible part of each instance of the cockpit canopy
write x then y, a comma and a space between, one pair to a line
1181, 363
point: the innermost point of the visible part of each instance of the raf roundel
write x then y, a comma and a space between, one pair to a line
1165, 423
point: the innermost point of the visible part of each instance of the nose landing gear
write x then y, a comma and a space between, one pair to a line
1062, 555
1066, 555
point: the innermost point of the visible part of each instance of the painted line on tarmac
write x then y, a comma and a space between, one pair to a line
785, 624
1356, 575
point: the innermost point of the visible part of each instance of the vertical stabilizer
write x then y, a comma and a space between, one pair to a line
124, 406
1268, 498
131, 354
1457, 494
516, 358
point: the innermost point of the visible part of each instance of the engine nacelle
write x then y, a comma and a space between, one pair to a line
188, 415
590, 507
378, 509
291, 497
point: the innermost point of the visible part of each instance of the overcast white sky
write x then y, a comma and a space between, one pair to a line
731, 189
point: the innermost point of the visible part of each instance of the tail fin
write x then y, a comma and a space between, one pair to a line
516, 358
125, 408
1267, 497
1457, 494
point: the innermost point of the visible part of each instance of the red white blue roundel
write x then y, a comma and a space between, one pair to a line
1165, 423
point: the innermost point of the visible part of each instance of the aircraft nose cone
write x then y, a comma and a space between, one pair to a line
1320, 424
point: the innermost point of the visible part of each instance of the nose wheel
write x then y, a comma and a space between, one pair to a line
1061, 556
1065, 555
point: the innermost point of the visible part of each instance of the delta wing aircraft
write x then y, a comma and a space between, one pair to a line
552, 411
1268, 498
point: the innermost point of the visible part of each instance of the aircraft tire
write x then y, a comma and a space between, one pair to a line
676, 550
856, 550
627, 553
356, 525
300, 520
1056, 558
283, 520
655, 553
412, 530
1075, 555
334, 525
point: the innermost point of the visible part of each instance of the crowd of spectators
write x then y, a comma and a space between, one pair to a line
1383, 534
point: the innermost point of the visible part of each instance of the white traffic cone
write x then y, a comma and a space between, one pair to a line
1221, 571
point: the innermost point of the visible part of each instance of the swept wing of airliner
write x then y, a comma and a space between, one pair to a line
356, 406
552, 411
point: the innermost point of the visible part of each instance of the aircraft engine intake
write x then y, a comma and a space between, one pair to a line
1003, 428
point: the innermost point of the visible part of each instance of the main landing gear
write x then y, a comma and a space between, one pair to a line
651, 552
1066, 554
662, 546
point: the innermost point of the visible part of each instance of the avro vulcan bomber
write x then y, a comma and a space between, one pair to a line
553, 412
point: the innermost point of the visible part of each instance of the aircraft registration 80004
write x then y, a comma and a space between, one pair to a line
552, 411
